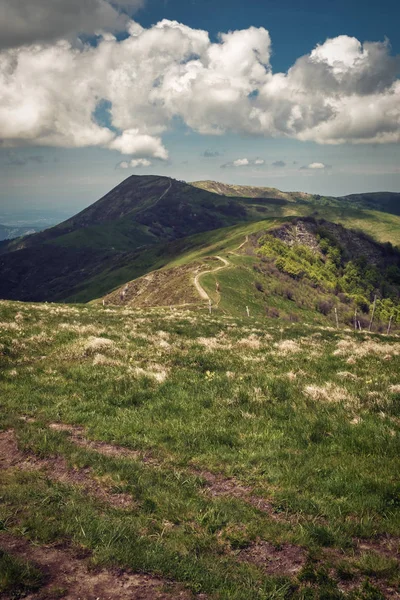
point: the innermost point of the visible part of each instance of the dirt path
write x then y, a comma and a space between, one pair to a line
65, 570
156, 201
217, 485
241, 245
57, 469
202, 292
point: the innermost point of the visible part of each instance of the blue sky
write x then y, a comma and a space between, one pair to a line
71, 140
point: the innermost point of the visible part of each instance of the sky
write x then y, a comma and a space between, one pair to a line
298, 96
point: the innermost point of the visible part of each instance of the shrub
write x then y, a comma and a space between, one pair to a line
272, 312
324, 306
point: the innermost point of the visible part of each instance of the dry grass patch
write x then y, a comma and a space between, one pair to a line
287, 347
81, 329
359, 349
330, 392
252, 342
105, 361
214, 343
84, 348
154, 371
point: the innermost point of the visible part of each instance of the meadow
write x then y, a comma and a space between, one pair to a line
184, 455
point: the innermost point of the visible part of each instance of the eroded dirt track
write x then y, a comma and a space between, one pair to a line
65, 570
202, 292
56, 468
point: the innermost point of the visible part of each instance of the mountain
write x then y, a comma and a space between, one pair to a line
149, 223
8, 232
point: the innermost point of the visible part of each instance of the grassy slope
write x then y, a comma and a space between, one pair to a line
306, 417
383, 227
110, 253
180, 252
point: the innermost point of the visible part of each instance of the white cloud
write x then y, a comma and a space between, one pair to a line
342, 91
244, 162
241, 162
316, 165
31, 21
134, 163
136, 144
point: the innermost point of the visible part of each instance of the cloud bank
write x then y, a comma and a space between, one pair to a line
50, 91
32, 21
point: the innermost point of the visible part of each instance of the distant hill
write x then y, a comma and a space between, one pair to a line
8, 232
382, 201
247, 191
149, 222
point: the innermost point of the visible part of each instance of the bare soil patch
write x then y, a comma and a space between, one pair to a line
65, 571
285, 559
57, 469
387, 545
78, 436
218, 486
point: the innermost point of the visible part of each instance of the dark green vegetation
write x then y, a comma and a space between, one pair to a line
18, 577
263, 461
150, 222
330, 267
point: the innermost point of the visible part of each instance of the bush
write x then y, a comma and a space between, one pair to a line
272, 312
324, 306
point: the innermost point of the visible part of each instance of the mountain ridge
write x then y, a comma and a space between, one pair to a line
147, 221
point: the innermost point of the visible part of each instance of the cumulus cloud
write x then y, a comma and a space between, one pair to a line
244, 162
137, 144
318, 166
279, 163
241, 162
134, 163
27, 22
50, 93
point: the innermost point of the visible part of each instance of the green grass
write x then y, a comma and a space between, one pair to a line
18, 577
239, 397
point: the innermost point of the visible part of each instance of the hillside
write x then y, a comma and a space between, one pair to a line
148, 221
303, 269
247, 191
164, 454
381, 201
8, 232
